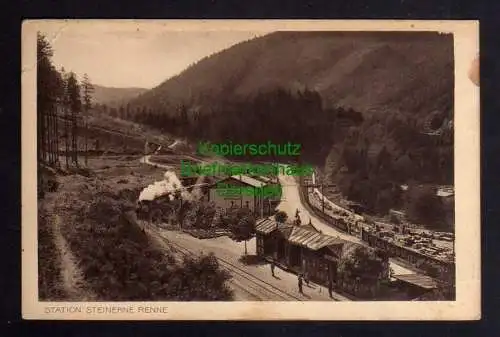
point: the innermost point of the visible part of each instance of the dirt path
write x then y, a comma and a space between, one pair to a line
71, 275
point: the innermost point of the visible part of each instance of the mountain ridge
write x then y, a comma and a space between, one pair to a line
114, 96
361, 70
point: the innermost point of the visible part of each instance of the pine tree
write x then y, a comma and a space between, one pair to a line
48, 92
66, 107
44, 53
128, 111
122, 112
75, 108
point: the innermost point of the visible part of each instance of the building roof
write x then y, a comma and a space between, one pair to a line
266, 226
263, 179
336, 248
334, 244
311, 239
310, 227
418, 280
285, 230
299, 235
269, 225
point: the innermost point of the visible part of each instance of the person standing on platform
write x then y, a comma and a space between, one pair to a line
272, 268
300, 284
306, 278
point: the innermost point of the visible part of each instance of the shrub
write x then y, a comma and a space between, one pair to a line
199, 215
363, 265
200, 279
47, 182
281, 217
425, 207
121, 263
243, 226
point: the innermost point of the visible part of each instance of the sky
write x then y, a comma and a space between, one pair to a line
126, 56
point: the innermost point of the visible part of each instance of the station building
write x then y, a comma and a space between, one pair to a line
233, 192
301, 249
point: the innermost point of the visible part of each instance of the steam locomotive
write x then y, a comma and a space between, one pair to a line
167, 208
163, 209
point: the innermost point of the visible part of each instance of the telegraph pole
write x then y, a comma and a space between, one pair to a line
323, 197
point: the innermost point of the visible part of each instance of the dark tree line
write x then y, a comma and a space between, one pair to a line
279, 116
374, 160
61, 102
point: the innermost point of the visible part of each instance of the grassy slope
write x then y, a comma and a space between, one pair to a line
114, 136
120, 172
102, 247
69, 202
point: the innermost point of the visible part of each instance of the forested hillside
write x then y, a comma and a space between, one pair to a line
114, 96
366, 71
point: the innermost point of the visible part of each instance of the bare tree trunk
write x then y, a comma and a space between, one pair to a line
74, 141
49, 136
39, 148
42, 137
56, 132
66, 126
86, 139
323, 197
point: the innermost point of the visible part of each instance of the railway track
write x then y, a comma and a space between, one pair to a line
255, 287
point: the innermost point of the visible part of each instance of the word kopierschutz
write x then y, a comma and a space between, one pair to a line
233, 149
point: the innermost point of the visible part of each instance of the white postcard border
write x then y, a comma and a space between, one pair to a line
467, 196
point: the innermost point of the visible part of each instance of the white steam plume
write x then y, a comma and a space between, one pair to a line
197, 193
168, 185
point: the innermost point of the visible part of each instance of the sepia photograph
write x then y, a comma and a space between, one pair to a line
231, 169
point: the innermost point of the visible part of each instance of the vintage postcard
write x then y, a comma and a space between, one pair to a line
250, 170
